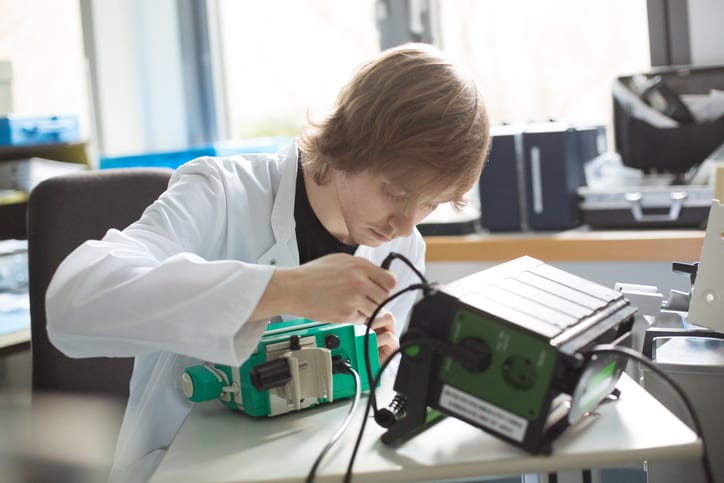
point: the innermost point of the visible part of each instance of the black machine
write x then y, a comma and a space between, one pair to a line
506, 350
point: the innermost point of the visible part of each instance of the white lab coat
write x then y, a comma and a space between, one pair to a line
175, 288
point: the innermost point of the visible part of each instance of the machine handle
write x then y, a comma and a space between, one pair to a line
677, 202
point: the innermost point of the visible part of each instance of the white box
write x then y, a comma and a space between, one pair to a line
25, 174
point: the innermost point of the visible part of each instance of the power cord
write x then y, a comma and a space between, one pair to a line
394, 255
368, 362
632, 354
376, 380
373, 382
342, 366
425, 286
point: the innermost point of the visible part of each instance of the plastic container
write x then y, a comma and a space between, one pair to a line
22, 130
674, 148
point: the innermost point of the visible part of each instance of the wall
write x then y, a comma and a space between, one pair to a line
706, 31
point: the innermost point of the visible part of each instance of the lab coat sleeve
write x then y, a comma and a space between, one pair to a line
149, 288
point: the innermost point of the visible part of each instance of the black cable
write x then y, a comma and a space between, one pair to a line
347, 369
425, 286
371, 401
373, 382
368, 362
394, 255
348, 474
630, 353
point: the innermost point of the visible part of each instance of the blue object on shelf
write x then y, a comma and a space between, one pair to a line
174, 159
23, 130
165, 159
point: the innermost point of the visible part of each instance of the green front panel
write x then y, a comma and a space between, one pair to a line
351, 347
520, 370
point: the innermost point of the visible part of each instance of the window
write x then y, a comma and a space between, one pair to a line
536, 61
281, 58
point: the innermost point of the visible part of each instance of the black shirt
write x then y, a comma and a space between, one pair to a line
313, 239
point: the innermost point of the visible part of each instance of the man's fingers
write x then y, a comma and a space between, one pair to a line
384, 320
376, 295
387, 344
385, 279
387, 339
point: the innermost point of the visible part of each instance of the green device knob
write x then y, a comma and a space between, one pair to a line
201, 383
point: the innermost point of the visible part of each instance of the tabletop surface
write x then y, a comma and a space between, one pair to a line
217, 444
579, 244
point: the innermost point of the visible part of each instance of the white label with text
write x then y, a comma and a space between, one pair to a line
483, 413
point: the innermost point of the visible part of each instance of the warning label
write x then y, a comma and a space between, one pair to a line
483, 413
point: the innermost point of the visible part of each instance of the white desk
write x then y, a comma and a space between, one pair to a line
216, 444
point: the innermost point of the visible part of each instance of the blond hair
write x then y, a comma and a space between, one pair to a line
408, 112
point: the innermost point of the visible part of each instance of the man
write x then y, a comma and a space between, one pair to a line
235, 241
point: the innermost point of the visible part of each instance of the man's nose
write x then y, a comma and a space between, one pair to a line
403, 222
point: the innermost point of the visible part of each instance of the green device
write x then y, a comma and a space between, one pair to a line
296, 365
505, 350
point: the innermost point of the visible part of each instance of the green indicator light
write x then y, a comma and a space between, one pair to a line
432, 416
413, 351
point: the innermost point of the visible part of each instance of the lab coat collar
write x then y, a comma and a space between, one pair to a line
285, 251
283, 210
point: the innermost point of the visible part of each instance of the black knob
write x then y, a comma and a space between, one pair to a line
331, 342
294, 343
270, 374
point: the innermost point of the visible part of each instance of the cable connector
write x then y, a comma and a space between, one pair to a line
341, 365
395, 411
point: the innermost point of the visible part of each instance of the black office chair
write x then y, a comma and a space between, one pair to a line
63, 212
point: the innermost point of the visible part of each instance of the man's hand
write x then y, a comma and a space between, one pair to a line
334, 288
387, 341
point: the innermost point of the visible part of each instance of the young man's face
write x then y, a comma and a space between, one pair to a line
376, 210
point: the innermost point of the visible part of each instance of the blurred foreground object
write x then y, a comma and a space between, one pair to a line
60, 438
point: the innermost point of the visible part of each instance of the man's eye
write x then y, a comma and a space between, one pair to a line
429, 206
394, 196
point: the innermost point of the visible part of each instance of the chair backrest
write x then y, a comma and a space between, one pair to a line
63, 212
